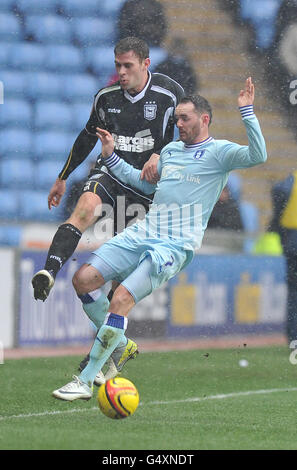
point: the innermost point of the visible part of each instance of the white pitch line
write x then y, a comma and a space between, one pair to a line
169, 402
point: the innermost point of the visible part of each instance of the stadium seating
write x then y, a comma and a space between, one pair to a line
54, 57
15, 83
262, 16
7, 5
9, 207
10, 235
27, 56
15, 141
79, 87
4, 53
44, 85
33, 207
16, 113
53, 115
157, 55
52, 144
63, 58
46, 173
36, 7
80, 114
79, 8
93, 31
48, 29
110, 9
16, 173
100, 60
10, 27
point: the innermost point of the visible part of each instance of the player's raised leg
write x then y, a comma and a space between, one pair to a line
65, 242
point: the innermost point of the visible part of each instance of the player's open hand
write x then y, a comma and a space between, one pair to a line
246, 97
56, 193
150, 171
106, 140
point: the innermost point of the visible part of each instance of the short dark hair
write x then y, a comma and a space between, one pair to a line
130, 43
201, 104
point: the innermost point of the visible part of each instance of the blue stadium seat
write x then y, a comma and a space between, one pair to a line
16, 173
64, 58
53, 115
46, 173
15, 83
16, 142
10, 235
7, 5
111, 9
5, 49
48, 29
52, 144
16, 113
262, 15
100, 60
79, 87
10, 27
27, 56
79, 8
33, 206
43, 85
93, 31
157, 55
9, 207
250, 219
81, 113
36, 7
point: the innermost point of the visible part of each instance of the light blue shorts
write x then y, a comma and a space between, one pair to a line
140, 264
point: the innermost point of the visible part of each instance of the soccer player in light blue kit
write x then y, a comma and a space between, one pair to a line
193, 172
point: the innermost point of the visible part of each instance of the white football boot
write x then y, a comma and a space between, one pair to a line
99, 379
74, 390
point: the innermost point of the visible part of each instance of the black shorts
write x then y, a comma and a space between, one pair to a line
119, 201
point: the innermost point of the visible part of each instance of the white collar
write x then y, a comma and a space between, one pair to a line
141, 94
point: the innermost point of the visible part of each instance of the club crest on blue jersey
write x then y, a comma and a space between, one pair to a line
199, 154
150, 111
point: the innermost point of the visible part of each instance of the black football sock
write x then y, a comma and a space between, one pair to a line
63, 245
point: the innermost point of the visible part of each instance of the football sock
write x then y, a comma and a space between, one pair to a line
95, 305
63, 245
107, 339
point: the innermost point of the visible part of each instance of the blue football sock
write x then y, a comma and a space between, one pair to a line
108, 338
95, 305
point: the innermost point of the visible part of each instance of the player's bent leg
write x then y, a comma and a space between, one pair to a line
65, 242
86, 211
134, 288
95, 303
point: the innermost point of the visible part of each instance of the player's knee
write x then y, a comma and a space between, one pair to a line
78, 282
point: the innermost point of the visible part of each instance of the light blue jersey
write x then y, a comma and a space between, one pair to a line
191, 180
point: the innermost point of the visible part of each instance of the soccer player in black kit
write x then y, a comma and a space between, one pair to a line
138, 111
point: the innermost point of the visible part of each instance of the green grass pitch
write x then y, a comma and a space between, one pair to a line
195, 400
